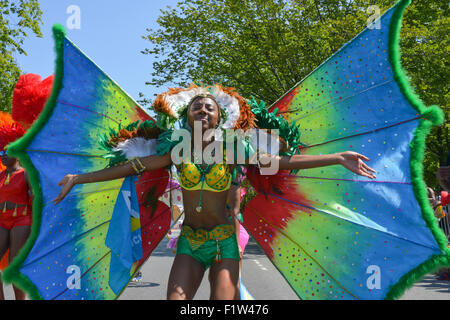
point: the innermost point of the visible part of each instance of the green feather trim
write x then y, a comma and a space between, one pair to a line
17, 150
118, 157
165, 142
242, 147
431, 116
165, 121
269, 120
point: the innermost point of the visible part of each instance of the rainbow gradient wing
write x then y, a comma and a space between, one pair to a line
331, 233
66, 256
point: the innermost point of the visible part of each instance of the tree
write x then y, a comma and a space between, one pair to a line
263, 48
17, 18
425, 56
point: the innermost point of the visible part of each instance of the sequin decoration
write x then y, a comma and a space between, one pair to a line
333, 234
69, 258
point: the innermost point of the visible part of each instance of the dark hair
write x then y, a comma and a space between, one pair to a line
203, 96
210, 96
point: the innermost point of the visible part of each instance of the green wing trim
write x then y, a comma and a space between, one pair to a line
431, 116
17, 150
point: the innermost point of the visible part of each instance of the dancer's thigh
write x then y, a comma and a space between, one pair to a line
224, 277
185, 277
4, 241
18, 237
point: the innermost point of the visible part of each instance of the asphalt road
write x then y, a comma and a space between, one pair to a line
255, 267
259, 276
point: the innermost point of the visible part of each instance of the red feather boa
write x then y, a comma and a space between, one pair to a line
29, 97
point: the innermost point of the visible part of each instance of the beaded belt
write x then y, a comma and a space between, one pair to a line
198, 237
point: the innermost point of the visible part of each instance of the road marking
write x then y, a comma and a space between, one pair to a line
260, 265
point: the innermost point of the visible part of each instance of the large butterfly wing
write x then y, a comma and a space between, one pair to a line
66, 256
331, 233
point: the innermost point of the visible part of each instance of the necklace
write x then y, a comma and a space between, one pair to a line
203, 173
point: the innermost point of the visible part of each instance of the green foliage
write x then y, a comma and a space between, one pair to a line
263, 48
425, 56
17, 19
9, 74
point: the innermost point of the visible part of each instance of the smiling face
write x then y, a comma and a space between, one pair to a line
204, 110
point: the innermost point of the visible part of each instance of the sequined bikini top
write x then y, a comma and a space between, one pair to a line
215, 177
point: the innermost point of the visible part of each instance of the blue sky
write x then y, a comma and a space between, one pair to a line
110, 34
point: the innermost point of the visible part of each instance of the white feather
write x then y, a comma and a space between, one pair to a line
137, 147
228, 103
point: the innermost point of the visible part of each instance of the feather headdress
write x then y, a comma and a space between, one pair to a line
29, 98
234, 108
10, 130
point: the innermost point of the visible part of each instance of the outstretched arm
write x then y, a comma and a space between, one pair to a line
69, 181
351, 160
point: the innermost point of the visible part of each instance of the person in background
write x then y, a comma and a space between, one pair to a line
435, 204
443, 177
16, 212
16, 197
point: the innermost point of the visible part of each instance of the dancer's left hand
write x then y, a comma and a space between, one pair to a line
354, 162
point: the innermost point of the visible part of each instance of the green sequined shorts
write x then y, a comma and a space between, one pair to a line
208, 247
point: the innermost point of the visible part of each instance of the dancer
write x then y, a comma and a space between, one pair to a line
331, 234
205, 187
15, 199
29, 97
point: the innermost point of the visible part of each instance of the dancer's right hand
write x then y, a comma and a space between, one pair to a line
67, 182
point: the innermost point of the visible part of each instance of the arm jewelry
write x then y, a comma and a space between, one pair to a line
136, 161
